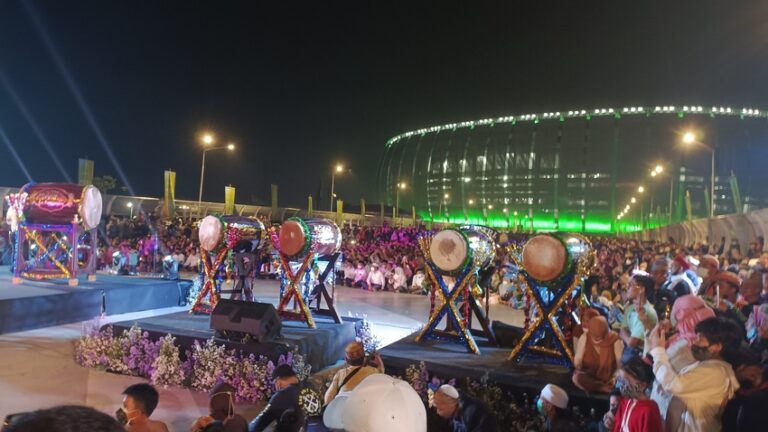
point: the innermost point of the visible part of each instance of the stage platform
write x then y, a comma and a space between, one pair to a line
322, 347
36, 304
450, 360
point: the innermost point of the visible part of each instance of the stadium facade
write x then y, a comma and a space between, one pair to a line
579, 170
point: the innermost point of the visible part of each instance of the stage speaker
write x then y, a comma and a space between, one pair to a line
236, 319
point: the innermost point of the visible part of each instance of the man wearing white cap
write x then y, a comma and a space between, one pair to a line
465, 413
553, 404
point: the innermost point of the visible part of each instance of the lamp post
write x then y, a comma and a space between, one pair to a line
690, 138
338, 169
400, 185
443, 201
208, 140
130, 206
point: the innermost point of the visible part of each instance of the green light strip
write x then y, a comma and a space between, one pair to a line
742, 113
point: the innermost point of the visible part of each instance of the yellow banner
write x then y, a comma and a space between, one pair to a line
309, 206
169, 209
362, 207
84, 172
229, 200
340, 212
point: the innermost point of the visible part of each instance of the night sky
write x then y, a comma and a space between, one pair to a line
301, 85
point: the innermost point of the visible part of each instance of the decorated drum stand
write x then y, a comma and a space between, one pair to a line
303, 241
552, 272
46, 217
218, 237
457, 253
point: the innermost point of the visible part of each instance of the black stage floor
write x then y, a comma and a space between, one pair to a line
322, 347
36, 304
450, 360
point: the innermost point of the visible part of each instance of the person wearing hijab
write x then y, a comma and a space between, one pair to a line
222, 409
597, 357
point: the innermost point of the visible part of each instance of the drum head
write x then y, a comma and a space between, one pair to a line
210, 233
544, 258
293, 239
448, 250
90, 207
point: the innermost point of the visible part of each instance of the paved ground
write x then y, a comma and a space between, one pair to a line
37, 367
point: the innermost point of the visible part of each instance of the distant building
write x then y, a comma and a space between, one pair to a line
577, 170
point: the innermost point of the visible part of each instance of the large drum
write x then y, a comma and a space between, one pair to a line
545, 258
300, 236
231, 231
62, 204
452, 250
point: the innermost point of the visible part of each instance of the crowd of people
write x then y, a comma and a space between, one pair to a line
676, 335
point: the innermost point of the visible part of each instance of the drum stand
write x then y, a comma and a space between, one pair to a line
62, 247
211, 284
320, 291
459, 321
290, 288
545, 320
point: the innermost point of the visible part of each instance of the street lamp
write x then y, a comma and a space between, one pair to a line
689, 138
443, 201
338, 169
208, 140
130, 206
400, 185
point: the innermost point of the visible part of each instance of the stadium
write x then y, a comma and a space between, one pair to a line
592, 170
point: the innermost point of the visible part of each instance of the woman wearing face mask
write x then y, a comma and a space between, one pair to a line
637, 412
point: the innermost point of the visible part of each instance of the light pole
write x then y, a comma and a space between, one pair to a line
443, 201
130, 206
400, 185
337, 169
690, 138
208, 140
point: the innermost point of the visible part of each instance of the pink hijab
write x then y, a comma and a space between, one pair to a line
688, 311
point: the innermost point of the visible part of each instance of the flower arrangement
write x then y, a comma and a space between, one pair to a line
206, 364
364, 334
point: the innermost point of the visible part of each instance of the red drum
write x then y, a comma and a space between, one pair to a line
62, 204
300, 236
214, 232
545, 257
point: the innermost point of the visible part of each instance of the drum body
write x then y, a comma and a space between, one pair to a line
452, 250
231, 231
545, 257
62, 204
300, 236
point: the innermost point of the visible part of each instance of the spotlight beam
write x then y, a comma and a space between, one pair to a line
35, 127
75, 90
15, 155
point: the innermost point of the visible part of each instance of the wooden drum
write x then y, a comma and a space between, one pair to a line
62, 204
229, 231
545, 258
452, 250
300, 236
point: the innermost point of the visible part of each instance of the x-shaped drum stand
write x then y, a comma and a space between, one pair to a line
211, 284
460, 322
545, 321
291, 288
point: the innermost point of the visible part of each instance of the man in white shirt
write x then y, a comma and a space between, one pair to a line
376, 278
703, 387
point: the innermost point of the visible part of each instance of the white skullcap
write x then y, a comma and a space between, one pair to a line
449, 391
555, 395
